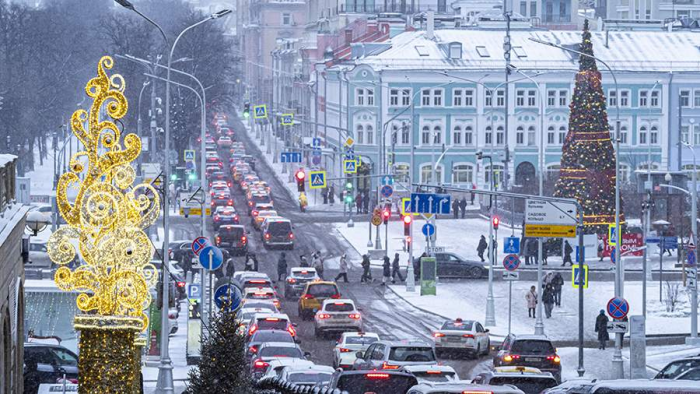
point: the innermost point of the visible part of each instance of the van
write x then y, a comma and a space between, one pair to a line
277, 232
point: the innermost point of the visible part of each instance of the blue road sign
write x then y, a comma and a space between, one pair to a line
287, 119
653, 240
618, 308
692, 259
511, 262
428, 230
198, 244
386, 191
430, 203
388, 180
189, 165
577, 254
211, 258
613, 255
316, 142
228, 297
189, 155
669, 242
194, 291
511, 245
290, 157
316, 152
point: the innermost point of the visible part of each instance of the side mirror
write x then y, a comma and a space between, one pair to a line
359, 354
486, 330
307, 354
297, 341
247, 232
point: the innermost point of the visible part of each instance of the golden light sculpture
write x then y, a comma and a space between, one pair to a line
105, 223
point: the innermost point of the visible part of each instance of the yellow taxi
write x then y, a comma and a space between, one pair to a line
258, 217
313, 296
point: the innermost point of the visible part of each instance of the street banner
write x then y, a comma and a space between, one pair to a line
629, 242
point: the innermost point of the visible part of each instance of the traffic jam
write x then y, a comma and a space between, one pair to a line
272, 309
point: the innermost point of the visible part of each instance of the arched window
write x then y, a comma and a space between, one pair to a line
624, 171
643, 135
468, 135
500, 135
550, 135
401, 172
488, 136
425, 135
520, 135
426, 174
497, 174
370, 135
562, 135
623, 134
531, 136
654, 135
463, 174
457, 135
405, 134
437, 137
360, 134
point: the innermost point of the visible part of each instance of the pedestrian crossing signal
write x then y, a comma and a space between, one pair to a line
300, 176
246, 110
496, 220
407, 219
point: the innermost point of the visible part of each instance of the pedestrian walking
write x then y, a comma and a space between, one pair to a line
282, 267
548, 300
601, 327
481, 248
365, 203
386, 270
303, 262
471, 198
526, 251
366, 273
463, 206
557, 283
545, 252
324, 194
396, 269
255, 262
343, 269
317, 263
533, 246
455, 208
531, 298
358, 202
331, 195
230, 267
249, 264
601, 249
567, 254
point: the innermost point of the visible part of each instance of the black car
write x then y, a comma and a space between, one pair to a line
224, 216
373, 381
529, 351
45, 363
683, 369
234, 237
450, 265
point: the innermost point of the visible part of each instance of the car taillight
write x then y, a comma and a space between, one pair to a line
292, 331
344, 350
255, 213
554, 359
324, 316
236, 217
260, 364
244, 239
272, 319
291, 280
438, 334
218, 240
467, 336
252, 329
267, 235
335, 296
386, 365
216, 218
213, 203
291, 235
172, 316
253, 349
308, 297
510, 357
476, 392
434, 372
355, 316
229, 183
230, 202
377, 376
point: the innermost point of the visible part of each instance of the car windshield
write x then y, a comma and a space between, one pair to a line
272, 336
375, 382
274, 351
261, 305
360, 340
461, 326
532, 347
309, 377
304, 274
339, 307
528, 384
231, 231
435, 376
412, 353
676, 368
322, 290
272, 323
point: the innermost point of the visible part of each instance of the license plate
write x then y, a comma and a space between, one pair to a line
454, 339
532, 359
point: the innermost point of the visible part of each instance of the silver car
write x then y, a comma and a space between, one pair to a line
388, 355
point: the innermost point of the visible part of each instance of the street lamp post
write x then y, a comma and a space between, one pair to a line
693, 339
646, 210
618, 368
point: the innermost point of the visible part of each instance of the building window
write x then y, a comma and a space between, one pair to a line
405, 97
399, 97
563, 98
551, 98
525, 98
457, 98
431, 97
520, 135
468, 135
623, 134
520, 98
643, 98
463, 98
463, 174
370, 96
696, 96
500, 98
531, 136
655, 96
557, 98
457, 136
405, 136
286, 18
624, 173
394, 134
533, 9
696, 136
426, 174
654, 135
612, 98
500, 135
401, 172
437, 97
550, 135
523, 8
562, 135
488, 102
370, 135
437, 135
364, 97
531, 97
685, 98
497, 174
468, 97
643, 135
360, 134
425, 136
624, 98
488, 136
425, 97
394, 97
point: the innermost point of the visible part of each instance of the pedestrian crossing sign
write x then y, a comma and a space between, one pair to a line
579, 273
317, 179
287, 119
612, 235
189, 155
350, 166
260, 111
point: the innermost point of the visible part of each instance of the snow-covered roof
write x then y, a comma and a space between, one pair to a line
483, 49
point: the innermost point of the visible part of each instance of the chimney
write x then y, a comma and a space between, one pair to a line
431, 26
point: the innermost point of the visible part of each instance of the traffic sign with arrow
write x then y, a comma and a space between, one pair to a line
211, 258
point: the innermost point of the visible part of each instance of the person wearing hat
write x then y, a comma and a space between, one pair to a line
601, 327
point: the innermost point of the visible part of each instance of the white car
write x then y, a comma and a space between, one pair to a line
432, 373
261, 293
462, 335
461, 387
277, 365
345, 350
337, 315
245, 315
307, 375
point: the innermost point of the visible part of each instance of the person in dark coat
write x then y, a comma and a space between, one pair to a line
567, 254
386, 270
526, 251
255, 262
331, 195
455, 208
557, 284
481, 248
601, 327
230, 267
366, 273
545, 252
358, 202
396, 269
532, 246
463, 206
282, 267
324, 194
365, 204
548, 300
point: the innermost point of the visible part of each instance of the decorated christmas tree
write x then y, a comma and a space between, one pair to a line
588, 157
223, 368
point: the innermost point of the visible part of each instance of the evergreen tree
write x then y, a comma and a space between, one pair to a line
222, 368
588, 157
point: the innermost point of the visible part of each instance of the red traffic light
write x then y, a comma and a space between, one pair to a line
300, 175
495, 222
180, 284
407, 219
386, 213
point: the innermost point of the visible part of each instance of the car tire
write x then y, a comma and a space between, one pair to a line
488, 348
317, 333
475, 273
477, 352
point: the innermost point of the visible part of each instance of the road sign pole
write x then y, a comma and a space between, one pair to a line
386, 239
582, 274
661, 267
490, 319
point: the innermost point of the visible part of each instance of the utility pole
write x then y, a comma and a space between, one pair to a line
506, 55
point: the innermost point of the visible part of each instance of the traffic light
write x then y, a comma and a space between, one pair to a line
192, 176
348, 192
496, 220
300, 176
386, 214
246, 110
407, 219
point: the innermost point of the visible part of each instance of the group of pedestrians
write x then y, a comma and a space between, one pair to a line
328, 195
483, 245
460, 205
552, 284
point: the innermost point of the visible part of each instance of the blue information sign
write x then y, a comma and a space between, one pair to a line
211, 258
428, 230
511, 245
228, 297
290, 157
430, 203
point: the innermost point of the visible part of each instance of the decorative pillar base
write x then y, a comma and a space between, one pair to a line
107, 354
